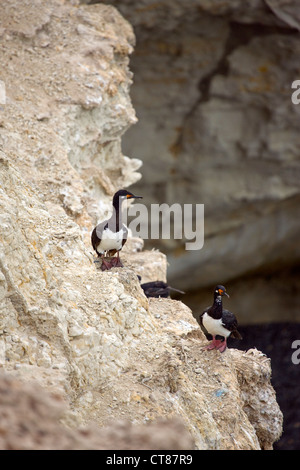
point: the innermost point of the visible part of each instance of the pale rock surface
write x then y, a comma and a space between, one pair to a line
92, 337
31, 420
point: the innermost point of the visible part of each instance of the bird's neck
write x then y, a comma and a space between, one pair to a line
115, 222
217, 307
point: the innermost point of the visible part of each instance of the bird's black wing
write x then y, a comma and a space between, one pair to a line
155, 289
156, 292
96, 235
155, 284
230, 320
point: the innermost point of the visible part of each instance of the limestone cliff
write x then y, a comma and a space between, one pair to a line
91, 336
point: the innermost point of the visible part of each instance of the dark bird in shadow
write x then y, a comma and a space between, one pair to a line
218, 322
109, 237
158, 289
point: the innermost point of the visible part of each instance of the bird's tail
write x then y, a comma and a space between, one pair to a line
176, 290
236, 334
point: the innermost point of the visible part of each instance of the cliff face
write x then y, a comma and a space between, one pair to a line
91, 336
212, 91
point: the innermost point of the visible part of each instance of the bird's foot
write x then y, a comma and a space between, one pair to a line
209, 346
116, 263
222, 346
215, 344
105, 266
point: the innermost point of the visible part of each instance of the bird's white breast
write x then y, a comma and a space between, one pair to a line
214, 326
110, 240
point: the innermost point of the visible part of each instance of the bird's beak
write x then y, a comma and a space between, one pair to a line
223, 292
136, 197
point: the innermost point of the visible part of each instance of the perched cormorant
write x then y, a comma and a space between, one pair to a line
218, 322
110, 236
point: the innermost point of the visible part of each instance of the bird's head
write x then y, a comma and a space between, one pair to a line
220, 290
123, 194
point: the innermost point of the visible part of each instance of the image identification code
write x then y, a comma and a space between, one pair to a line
155, 459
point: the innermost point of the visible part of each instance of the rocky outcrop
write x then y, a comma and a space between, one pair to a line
30, 420
212, 90
67, 82
87, 336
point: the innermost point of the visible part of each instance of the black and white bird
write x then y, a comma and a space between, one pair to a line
109, 237
158, 289
218, 322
